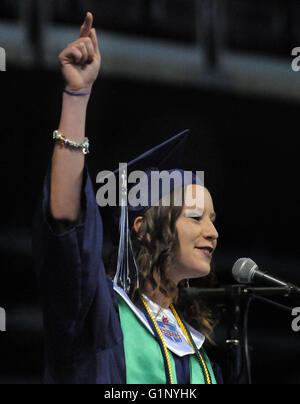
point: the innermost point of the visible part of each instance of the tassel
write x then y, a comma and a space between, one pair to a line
127, 275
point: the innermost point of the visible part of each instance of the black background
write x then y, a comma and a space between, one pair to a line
248, 147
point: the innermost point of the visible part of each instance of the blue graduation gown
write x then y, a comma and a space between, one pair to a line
83, 335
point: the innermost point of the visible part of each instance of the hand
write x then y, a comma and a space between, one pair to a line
80, 60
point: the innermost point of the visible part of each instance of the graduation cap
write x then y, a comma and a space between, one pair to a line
160, 159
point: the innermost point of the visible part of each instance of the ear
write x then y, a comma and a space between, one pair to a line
137, 223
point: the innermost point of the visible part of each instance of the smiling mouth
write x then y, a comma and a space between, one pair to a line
205, 251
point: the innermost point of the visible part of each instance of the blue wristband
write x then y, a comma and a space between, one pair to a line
76, 94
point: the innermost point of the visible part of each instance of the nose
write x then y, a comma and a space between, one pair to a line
210, 231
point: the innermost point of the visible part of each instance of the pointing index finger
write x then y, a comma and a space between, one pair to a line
87, 25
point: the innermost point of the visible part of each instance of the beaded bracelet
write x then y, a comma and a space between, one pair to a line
84, 146
75, 93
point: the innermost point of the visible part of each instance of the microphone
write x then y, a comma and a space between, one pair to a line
245, 270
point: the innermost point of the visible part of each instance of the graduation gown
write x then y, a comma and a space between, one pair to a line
82, 331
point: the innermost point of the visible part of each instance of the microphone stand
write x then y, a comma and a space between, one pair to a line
233, 345
234, 294
254, 296
237, 373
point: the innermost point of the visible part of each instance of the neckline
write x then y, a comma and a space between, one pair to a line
198, 337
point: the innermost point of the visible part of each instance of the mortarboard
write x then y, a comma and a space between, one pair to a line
161, 159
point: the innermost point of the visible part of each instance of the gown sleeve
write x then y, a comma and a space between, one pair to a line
217, 372
79, 308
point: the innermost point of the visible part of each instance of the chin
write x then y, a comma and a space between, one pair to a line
201, 272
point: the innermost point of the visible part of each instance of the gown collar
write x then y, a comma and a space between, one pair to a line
178, 349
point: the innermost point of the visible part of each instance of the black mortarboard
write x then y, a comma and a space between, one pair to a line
166, 157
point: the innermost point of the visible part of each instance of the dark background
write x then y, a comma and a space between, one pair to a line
246, 143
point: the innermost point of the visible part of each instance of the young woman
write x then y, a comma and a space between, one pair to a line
95, 332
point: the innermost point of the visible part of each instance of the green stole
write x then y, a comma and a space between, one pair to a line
143, 357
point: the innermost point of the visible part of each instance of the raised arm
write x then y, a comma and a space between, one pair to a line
80, 63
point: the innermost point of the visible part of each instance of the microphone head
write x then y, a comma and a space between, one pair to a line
243, 270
